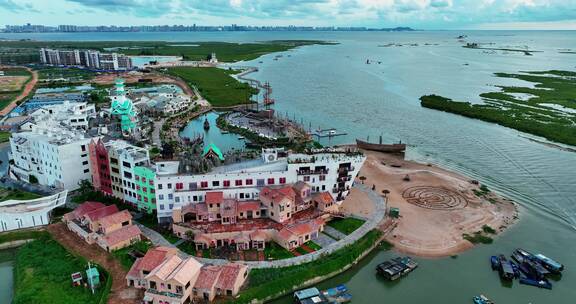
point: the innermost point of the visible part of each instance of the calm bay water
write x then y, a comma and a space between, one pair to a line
332, 86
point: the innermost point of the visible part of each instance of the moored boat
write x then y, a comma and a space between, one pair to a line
338, 294
206, 124
386, 148
506, 271
494, 262
541, 283
549, 264
482, 299
397, 267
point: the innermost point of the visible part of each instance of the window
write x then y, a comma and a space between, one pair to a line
260, 182
215, 183
248, 182
170, 196
271, 181
127, 174
137, 177
177, 199
282, 180
226, 183
238, 182
115, 170
85, 162
241, 195
306, 178
126, 164
204, 184
169, 186
151, 182
83, 148
322, 177
159, 186
179, 186
161, 207
192, 186
86, 170
143, 179
161, 196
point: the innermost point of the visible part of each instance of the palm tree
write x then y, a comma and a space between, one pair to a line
385, 192
362, 178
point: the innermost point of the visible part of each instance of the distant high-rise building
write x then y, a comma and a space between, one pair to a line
86, 58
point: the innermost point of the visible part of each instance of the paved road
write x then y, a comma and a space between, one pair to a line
156, 132
371, 223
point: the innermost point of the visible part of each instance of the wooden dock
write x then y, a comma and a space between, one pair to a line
321, 133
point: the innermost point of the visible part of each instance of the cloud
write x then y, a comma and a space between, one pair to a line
141, 8
12, 6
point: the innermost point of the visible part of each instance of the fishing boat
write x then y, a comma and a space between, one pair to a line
495, 262
395, 268
386, 148
206, 124
549, 263
482, 299
520, 255
506, 271
338, 294
541, 283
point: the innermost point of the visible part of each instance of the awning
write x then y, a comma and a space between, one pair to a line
148, 298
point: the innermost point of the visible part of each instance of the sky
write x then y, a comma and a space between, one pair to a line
420, 14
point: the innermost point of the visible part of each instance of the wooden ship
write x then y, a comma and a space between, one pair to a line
380, 147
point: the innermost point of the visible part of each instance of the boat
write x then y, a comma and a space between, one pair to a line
495, 262
516, 269
506, 271
541, 283
241, 137
482, 299
397, 267
206, 124
549, 263
386, 148
338, 294
520, 255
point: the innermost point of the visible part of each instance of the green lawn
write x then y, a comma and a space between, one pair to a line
533, 115
21, 235
346, 225
216, 85
42, 275
72, 74
8, 194
313, 245
273, 281
123, 255
4, 136
273, 251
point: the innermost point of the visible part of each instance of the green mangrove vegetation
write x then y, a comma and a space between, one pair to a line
216, 85
548, 109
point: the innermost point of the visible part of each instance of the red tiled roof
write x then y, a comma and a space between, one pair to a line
248, 205
116, 218
135, 269
298, 186
229, 275
202, 238
154, 257
82, 209
97, 214
208, 277
323, 197
301, 228
214, 197
276, 195
258, 235
122, 234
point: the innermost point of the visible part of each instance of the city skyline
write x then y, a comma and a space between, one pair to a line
420, 14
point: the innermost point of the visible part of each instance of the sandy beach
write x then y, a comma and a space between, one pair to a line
436, 206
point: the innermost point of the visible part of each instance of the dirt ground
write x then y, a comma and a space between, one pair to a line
120, 293
436, 206
27, 89
134, 77
11, 83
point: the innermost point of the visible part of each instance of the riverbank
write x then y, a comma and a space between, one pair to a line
438, 208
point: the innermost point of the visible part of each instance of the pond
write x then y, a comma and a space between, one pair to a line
7, 259
225, 141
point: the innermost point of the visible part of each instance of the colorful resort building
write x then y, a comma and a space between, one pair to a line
104, 225
168, 278
288, 215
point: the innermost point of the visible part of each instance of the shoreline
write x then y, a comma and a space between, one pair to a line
437, 206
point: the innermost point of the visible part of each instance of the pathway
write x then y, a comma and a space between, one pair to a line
334, 233
371, 223
323, 240
119, 293
156, 132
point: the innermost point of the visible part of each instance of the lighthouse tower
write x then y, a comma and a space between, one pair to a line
122, 106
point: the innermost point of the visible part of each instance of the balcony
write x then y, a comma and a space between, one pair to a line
164, 293
344, 178
312, 172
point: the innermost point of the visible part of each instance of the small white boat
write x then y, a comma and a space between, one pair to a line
241, 137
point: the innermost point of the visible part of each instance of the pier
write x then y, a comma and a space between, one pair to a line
331, 132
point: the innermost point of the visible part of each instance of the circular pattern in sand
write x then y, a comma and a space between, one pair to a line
434, 198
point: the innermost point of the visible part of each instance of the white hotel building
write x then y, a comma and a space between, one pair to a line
56, 157
326, 170
19, 214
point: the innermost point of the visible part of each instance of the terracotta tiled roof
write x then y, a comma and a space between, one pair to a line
202, 238
248, 205
97, 214
301, 228
323, 197
214, 197
166, 268
122, 234
186, 271
229, 275
155, 257
116, 218
276, 195
298, 186
208, 277
82, 209
135, 269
